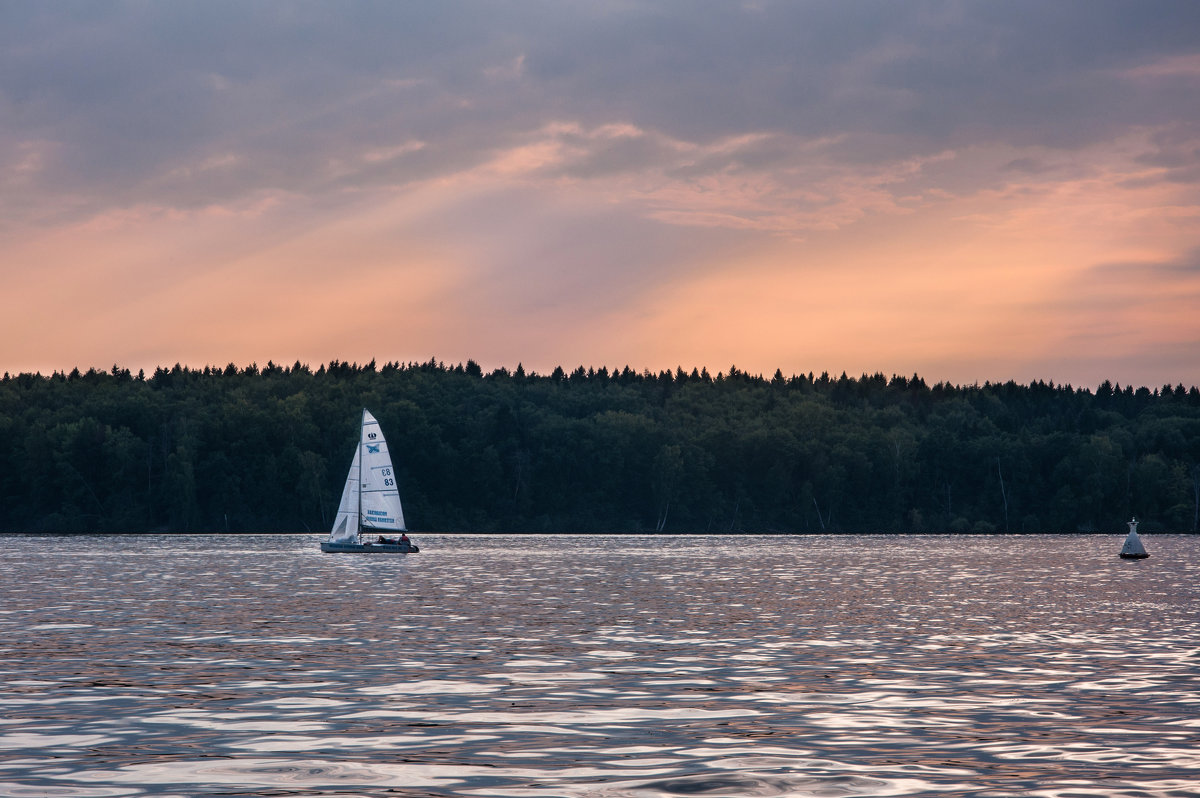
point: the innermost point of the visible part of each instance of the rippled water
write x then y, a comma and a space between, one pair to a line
620, 666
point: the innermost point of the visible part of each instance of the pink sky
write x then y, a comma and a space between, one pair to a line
177, 191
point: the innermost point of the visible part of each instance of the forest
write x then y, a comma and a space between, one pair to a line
266, 450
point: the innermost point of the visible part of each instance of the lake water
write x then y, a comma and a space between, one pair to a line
642, 667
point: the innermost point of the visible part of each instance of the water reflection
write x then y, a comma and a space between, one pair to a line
568, 666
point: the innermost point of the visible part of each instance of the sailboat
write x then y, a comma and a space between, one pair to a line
1133, 548
370, 501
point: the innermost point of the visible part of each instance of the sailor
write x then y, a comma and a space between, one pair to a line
404, 542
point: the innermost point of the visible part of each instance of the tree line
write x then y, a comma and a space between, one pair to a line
266, 450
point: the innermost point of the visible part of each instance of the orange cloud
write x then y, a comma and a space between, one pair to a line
1002, 285
802, 263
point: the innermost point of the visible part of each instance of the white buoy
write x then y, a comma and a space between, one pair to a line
1133, 548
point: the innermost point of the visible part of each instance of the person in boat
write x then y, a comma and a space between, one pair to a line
405, 544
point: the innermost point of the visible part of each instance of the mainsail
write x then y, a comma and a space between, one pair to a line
370, 499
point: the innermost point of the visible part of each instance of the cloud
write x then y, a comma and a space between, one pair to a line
1027, 166
542, 164
126, 94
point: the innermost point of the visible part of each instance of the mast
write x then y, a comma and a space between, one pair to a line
361, 424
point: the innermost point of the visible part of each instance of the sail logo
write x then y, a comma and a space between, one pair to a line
372, 435
373, 449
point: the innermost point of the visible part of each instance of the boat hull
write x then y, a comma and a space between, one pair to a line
1125, 556
367, 548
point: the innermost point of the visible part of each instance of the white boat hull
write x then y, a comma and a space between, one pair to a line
367, 548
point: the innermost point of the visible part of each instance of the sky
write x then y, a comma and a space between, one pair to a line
968, 191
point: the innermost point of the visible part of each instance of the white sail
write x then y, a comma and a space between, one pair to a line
380, 498
1133, 544
345, 525
370, 499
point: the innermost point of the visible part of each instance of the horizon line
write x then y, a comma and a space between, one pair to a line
697, 372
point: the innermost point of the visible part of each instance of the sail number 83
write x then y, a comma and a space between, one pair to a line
388, 480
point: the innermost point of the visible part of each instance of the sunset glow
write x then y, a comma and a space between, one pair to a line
970, 192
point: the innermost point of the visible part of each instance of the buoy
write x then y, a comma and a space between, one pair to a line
1133, 548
